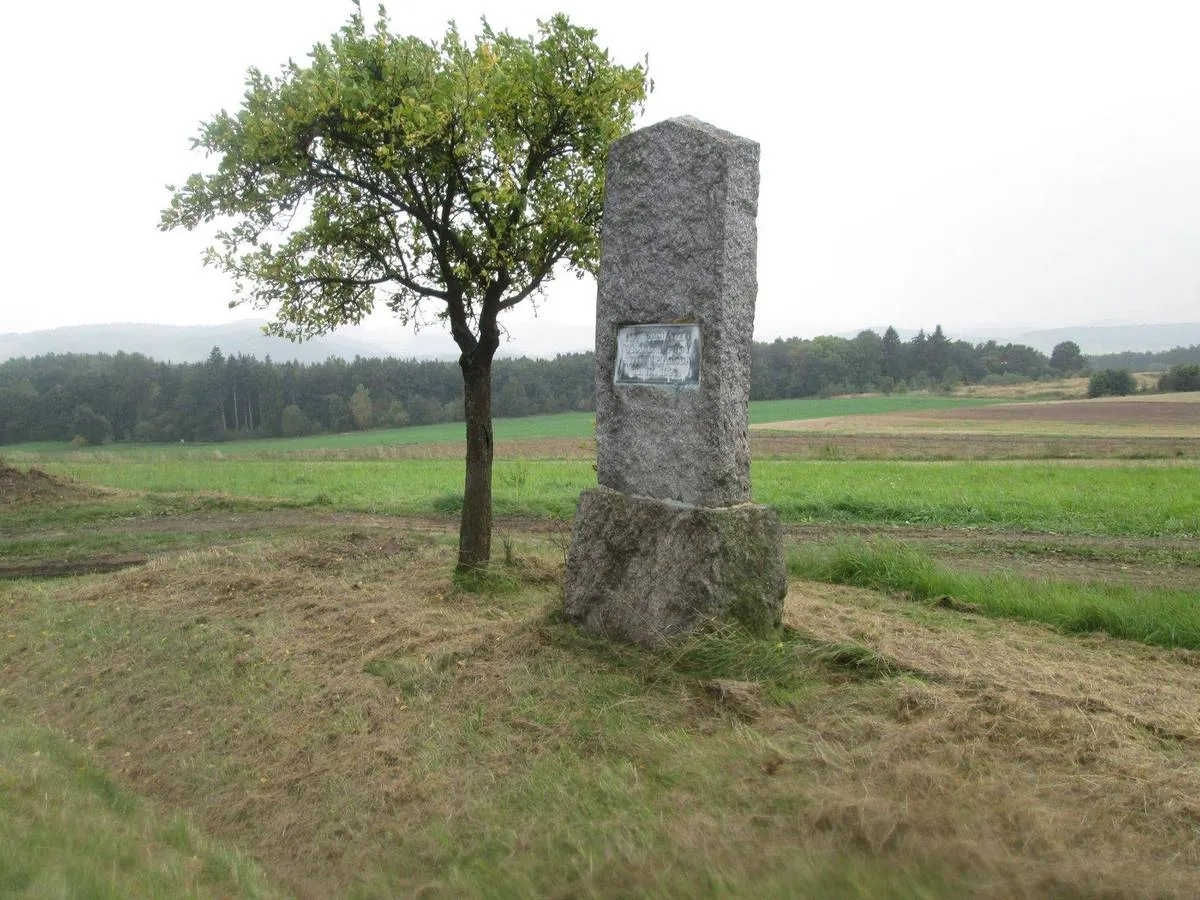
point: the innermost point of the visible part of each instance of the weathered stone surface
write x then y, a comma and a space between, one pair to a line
669, 542
679, 246
648, 571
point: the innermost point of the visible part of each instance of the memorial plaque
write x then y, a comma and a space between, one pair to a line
669, 541
666, 355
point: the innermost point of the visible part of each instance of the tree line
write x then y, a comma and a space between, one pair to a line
1140, 361
870, 362
129, 397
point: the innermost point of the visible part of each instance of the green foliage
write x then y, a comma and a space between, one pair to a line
90, 426
294, 422
241, 398
360, 408
1111, 383
387, 169
1066, 357
456, 174
1182, 377
394, 415
1161, 616
828, 365
1146, 361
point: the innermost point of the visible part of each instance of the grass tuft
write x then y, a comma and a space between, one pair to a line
853, 658
1161, 616
448, 504
496, 580
730, 652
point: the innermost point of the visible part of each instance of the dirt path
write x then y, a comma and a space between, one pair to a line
1132, 560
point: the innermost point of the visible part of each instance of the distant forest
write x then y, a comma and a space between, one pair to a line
94, 398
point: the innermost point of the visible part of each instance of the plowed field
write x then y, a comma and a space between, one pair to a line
1161, 416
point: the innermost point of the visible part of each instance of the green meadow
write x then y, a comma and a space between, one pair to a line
1133, 499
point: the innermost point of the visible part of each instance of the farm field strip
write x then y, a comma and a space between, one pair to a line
914, 445
1155, 415
901, 424
1134, 499
569, 430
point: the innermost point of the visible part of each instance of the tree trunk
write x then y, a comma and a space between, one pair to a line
475, 531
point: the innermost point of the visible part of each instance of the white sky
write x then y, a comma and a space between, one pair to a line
964, 163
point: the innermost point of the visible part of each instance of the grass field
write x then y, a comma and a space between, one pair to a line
246, 670
1134, 499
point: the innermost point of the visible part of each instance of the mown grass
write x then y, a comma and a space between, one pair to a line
337, 705
374, 730
1159, 616
68, 830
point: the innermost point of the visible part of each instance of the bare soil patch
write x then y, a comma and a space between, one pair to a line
1146, 420
62, 568
1155, 409
917, 445
19, 487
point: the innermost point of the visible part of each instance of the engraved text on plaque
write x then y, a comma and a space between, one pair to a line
658, 354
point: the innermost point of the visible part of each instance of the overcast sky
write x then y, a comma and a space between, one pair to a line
963, 163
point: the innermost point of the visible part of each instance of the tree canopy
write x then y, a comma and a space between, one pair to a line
390, 169
1067, 357
451, 178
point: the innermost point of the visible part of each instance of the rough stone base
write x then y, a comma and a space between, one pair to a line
648, 571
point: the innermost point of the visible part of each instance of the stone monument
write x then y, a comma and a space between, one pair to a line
669, 541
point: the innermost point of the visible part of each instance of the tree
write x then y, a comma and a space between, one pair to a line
1182, 377
1067, 357
360, 407
89, 425
893, 354
937, 354
1111, 383
294, 422
452, 177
